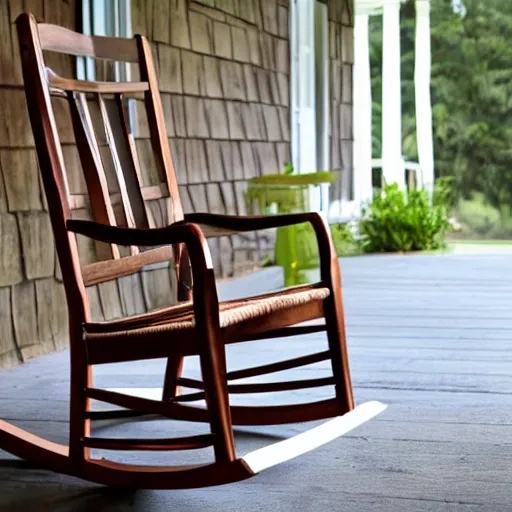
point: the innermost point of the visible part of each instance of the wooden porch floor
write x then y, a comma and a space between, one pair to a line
429, 335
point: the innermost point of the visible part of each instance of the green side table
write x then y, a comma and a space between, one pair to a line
296, 247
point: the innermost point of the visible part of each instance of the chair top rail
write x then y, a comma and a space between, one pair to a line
63, 40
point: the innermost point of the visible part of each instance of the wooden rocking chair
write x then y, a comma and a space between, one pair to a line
199, 325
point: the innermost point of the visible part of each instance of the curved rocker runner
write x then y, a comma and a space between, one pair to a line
199, 325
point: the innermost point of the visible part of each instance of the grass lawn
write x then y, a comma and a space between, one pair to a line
480, 247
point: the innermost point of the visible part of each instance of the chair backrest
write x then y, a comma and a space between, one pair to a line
108, 152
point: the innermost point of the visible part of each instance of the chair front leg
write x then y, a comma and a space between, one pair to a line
213, 367
212, 350
336, 336
334, 315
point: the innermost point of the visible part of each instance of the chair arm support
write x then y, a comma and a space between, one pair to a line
186, 233
249, 223
231, 223
204, 290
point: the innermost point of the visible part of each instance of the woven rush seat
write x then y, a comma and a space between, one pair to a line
181, 317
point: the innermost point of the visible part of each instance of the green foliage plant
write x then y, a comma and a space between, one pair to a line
345, 241
399, 221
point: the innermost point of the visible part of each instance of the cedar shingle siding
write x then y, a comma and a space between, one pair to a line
224, 75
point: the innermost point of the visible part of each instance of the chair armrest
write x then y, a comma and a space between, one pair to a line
206, 303
238, 224
186, 233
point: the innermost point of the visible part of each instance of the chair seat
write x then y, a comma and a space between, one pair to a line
181, 317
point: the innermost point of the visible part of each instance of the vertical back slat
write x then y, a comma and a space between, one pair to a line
92, 165
131, 168
157, 129
163, 158
125, 199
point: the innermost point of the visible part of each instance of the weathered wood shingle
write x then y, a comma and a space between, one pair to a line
8, 350
193, 73
201, 33
263, 81
247, 10
233, 83
110, 300
282, 21
178, 158
178, 112
21, 177
254, 47
132, 298
15, 128
37, 244
212, 77
236, 128
270, 16
158, 289
272, 123
248, 161
217, 119
232, 160
197, 166
241, 50
215, 160
10, 251
254, 122
160, 17
52, 313
24, 313
222, 43
268, 54
195, 117
178, 28
229, 6
168, 115
169, 60
250, 83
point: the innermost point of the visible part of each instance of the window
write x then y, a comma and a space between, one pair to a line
310, 92
105, 18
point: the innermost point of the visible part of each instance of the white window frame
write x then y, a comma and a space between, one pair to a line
108, 18
322, 101
105, 18
312, 17
322, 85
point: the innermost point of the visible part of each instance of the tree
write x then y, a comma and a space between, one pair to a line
471, 93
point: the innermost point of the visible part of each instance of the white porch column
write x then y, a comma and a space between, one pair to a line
362, 98
393, 165
423, 99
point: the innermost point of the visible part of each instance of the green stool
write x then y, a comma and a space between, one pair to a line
296, 248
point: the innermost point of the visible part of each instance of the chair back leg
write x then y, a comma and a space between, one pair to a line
173, 370
81, 380
335, 324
